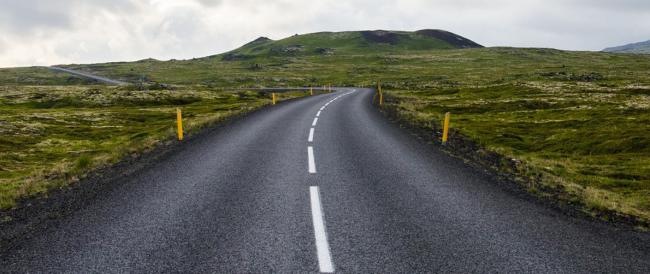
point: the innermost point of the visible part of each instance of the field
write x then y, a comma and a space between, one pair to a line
52, 136
578, 120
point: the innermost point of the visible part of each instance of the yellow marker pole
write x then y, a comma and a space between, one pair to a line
445, 131
381, 95
273, 97
311, 91
179, 123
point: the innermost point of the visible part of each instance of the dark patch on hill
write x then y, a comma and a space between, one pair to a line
451, 38
381, 36
235, 57
288, 50
324, 51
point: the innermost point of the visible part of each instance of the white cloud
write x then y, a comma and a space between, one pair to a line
45, 32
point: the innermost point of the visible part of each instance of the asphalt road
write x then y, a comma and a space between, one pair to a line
358, 194
89, 76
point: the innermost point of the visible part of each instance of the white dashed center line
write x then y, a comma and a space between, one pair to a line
322, 246
311, 135
310, 160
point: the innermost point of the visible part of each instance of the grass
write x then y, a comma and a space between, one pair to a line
416, 69
577, 119
53, 135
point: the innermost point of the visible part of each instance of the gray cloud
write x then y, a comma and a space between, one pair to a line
210, 3
3, 45
28, 15
25, 16
42, 32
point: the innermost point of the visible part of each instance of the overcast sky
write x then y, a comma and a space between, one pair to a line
47, 32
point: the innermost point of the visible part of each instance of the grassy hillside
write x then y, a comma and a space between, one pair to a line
578, 120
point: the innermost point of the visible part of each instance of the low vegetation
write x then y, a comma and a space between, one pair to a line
51, 136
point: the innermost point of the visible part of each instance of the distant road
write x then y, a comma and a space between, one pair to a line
323, 183
90, 76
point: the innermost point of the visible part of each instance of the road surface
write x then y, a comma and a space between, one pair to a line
321, 184
89, 76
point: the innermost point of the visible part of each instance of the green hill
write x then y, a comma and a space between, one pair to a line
640, 48
350, 42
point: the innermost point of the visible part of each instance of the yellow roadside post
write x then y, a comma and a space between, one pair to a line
311, 91
381, 95
273, 99
179, 123
445, 130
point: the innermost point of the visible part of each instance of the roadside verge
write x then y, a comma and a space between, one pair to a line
512, 172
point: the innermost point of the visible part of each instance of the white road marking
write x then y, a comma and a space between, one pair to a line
315, 121
310, 160
318, 114
322, 246
311, 135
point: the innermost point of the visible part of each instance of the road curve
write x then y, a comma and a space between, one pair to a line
322, 183
89, 76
